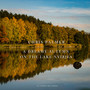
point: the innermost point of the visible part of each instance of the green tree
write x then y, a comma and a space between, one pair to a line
60, 33
46, 32
79, 38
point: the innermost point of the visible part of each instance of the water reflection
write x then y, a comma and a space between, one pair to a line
23, 63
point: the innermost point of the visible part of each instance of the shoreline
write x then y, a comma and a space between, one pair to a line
39, 45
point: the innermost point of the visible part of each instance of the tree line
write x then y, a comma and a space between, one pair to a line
20, 28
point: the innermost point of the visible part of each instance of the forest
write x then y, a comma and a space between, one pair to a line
20, 28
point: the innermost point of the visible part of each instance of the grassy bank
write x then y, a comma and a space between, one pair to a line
39, 45
16, 45
70, 45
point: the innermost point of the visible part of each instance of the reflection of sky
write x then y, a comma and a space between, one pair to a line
64, 78
66, 73
73, 13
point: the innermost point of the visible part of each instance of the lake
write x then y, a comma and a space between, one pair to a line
45, 69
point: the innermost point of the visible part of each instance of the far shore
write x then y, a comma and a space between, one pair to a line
39, 45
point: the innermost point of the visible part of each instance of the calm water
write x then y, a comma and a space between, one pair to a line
44, 69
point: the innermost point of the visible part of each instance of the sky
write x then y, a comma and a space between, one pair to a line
72, 13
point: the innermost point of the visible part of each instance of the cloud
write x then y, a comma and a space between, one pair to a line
75, 11
50, 10
74, 25
85, 27
73, 17
21, 11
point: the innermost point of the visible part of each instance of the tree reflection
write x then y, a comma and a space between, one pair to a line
12, 66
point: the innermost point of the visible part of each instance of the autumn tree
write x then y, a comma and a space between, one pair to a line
22, 31
3, 34
9, 28
21, 28
81, 38
46, 32
15, 30
31, 29
71, 32
60, 34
